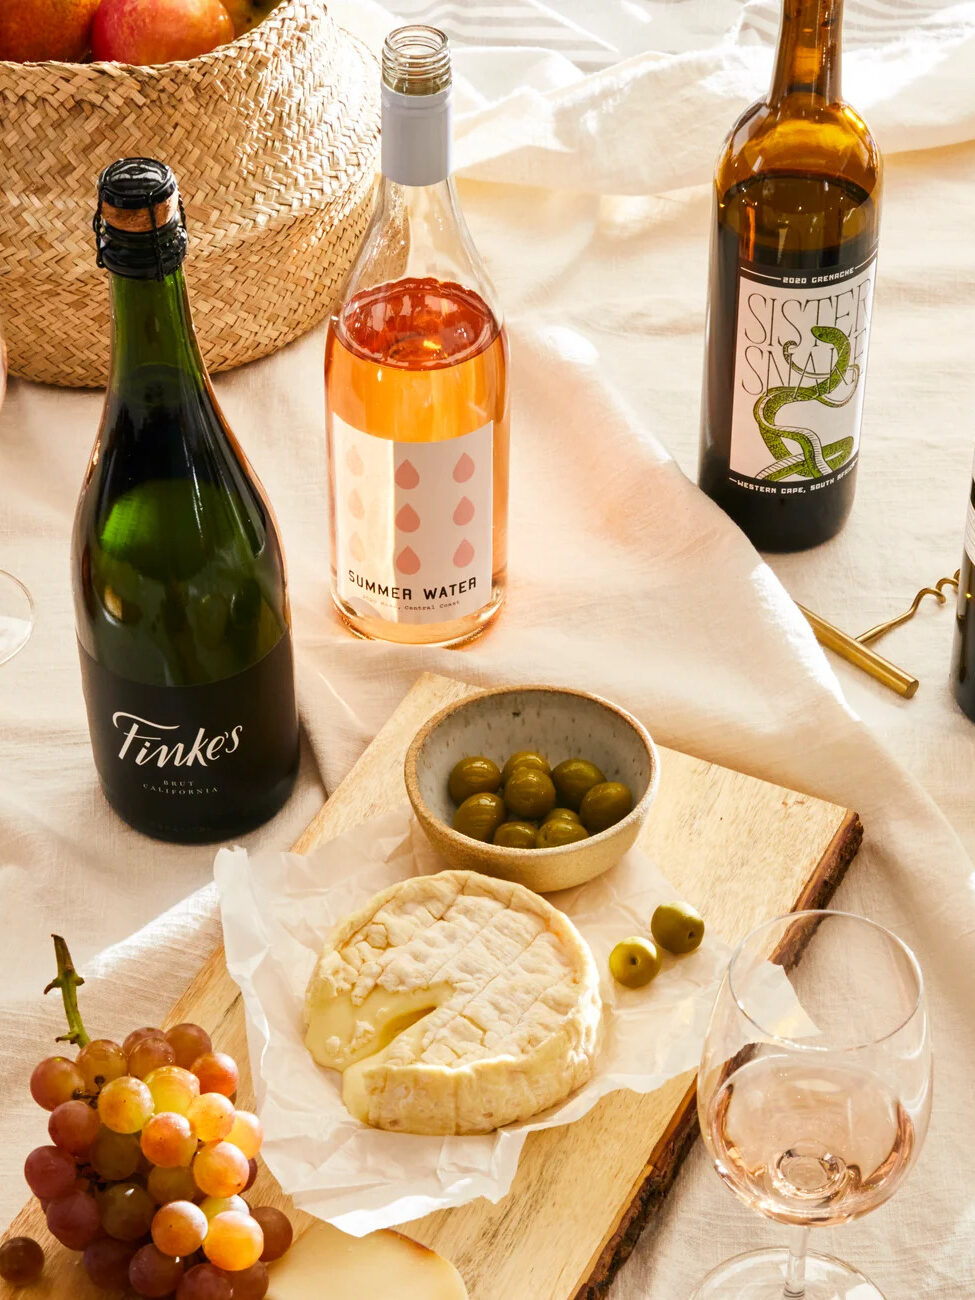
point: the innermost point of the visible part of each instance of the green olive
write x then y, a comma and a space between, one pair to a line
559, 830
634, 962
525, 758
473, 775
677, 927
565, 814
574, 778
480, 815
516, 835
529, 792
605, 805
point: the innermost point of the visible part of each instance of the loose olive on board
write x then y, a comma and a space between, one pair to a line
525, 758
566, 814
574, 778
480, 815
473, 775
634, 962
558, 831
604, 805
677, 927
529, 792
516, 835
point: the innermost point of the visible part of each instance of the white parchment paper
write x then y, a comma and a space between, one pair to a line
277, 911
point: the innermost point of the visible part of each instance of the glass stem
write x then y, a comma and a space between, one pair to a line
795, 1277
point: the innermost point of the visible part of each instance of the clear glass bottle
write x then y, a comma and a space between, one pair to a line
793, 259
181, 598
416, 388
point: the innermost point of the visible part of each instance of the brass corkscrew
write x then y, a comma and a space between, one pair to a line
857, 650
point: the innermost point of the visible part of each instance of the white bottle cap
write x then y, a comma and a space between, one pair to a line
416, 100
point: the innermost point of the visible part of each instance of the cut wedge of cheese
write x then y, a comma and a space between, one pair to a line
326, 1264
454, 1004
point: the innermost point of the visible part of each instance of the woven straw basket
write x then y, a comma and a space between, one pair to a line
273, 142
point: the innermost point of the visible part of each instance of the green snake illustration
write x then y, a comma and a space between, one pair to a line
813, 460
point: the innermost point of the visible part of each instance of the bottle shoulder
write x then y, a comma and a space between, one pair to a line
800, 134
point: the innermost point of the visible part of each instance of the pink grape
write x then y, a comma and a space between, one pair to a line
107, 1263
150, 1054
217, 1072
137, 1035
153, 1274
73, 1127
100, 1061
220, 1169
252, 1283
167, 1140
189, 1042
125, 1105
277, 1229
55, 1080
21, 1260
126, 1211
177, 1184
247, 1133
179, 1228
234, 1242
212, 1116
251, 1175
50, 1172
205, 1283
74, 1220
115, 1155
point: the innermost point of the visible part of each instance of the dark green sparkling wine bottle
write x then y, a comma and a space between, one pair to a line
963, 656
179, 580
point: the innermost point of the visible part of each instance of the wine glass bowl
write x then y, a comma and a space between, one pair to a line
16, 616
814, 1091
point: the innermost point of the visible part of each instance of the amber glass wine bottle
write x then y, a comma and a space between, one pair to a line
416, 388
181, 601
793, 256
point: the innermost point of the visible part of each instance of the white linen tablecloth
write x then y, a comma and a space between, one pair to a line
589, 133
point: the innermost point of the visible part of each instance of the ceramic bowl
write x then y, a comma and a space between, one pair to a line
560, 724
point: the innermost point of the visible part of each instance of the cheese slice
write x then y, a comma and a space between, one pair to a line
454, 1004
326, 1264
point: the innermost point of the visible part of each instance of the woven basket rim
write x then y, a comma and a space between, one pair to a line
278, 21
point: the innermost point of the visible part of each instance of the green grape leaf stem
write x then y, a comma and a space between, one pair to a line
68, 981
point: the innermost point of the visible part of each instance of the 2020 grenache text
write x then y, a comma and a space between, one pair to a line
203, 750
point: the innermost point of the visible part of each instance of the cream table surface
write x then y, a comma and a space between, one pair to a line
624, 579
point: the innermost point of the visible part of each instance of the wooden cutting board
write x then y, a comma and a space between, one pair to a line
742, 850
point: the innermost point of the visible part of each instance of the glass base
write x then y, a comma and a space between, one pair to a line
444, 636
761, 1274
16, 616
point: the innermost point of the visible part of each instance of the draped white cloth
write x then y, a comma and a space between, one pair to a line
588, 133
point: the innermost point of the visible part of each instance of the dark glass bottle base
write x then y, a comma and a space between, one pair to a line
219, 831
776, 523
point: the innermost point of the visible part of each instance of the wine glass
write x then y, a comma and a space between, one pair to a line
16, 615
814, 1091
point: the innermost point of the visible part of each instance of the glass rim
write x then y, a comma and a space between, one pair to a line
5, 574
824, 912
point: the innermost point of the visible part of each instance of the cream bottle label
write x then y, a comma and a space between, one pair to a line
413, 524
970, 531
800, 371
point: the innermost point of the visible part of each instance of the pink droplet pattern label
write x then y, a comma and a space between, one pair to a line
464, 512
354, 462
407, 476
464, 469
464, 555
356, 509
408, 562
407, 521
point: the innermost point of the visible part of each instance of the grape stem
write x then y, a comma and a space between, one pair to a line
68, 981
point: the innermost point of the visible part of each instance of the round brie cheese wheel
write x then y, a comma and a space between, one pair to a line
455, 1004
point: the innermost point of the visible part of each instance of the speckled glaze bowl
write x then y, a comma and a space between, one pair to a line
560, 724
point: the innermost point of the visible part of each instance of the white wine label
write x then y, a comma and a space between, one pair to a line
970, 530
413, 524
800, 363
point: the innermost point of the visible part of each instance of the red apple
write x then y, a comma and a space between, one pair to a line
158, 31
31, 30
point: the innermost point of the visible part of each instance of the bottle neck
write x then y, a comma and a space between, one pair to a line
808, 58
416, 137
152, 325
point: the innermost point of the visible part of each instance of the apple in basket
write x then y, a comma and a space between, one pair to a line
32, 30
158, 31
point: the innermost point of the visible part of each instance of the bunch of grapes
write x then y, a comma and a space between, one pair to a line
148, 1160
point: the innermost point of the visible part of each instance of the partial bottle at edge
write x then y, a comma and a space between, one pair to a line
963, 656
179, 581
793, 256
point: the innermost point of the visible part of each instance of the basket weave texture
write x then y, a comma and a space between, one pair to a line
273, 142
